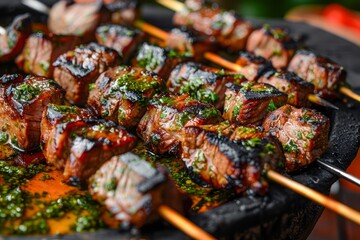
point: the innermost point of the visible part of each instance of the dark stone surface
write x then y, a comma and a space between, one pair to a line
282, 214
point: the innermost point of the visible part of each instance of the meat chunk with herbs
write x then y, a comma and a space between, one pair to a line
252, 66
302, 132
203, 83
13, 39
159, 60
229, 156
87, 145
273, 44
326, 75
294, 86
130, 188
123, 39
122, 94
41, 50
123, 12
229, 31
76, 69
189, 43
162, 125
53, 138
249, 102
22, 101
77, 18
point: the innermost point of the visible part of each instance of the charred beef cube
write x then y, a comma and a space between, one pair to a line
80, 19
53, 138
123, 11
203, 83
86, 146
302, 132
162, 125
76, 69
159, 60
224, 26
42, 50
294, 86
13, 40
250, 102
228, 156
124, 40
22, 101
188, 43
130, 188
122, 94
252, 66
273, 44
325, 74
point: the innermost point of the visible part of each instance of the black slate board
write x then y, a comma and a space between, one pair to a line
282, 214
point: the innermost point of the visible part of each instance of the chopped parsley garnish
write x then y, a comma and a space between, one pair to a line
26, 92
291, 147
272, 106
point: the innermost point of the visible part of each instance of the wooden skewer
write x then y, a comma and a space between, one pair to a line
183, 223
179, 6
161, 34
319, 198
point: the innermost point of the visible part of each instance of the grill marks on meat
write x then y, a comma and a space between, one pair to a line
252, 66
122, 94
295, 87
325, 74
76, 69
22, 101
130, 188
273, 44
83, 145
54, 122
124, 40
123, 11
12, 42
80, 19
228, 31
42, 50
302, 132
250, 102
159, 60
228, 156
161, 127
203, 83
188, 43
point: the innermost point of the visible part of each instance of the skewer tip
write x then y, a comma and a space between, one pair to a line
172, 4
322, 102
351, 94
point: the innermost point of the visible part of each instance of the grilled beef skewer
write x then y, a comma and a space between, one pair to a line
22, 101
13, 39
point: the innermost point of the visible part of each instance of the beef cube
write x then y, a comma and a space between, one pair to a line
130, 188
227, 156
22, 101
123, 12
159, 60
86, 146
188, 43
42, 50
53, 138
124, 40
302, 132
80, 19
326, 75
229, 32
252, 66
13, 40
273, 44
162, 125
294, 86
203, 83
122, 94
250, 102
76, 69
